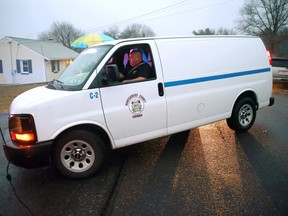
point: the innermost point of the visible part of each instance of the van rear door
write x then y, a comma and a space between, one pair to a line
136, 112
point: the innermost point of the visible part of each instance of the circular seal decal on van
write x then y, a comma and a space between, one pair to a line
136, 104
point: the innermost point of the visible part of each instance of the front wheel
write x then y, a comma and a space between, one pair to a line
78, 154
243, 115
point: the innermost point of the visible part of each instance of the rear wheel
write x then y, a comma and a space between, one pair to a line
243, 115
78, 154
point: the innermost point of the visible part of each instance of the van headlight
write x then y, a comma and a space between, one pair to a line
22, 130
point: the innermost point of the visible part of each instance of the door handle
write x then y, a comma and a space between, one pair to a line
160, 89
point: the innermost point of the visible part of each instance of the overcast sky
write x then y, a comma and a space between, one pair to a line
27, 18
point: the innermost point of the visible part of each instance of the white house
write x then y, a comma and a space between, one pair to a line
25, 61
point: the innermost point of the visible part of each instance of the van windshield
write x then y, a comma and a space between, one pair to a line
75, 76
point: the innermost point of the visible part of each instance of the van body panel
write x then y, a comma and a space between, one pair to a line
196, 81
207, 75
208, 56
128, 122
55, 111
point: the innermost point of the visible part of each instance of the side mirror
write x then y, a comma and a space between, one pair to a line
113, 73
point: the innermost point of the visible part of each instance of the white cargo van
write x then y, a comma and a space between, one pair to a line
195, 81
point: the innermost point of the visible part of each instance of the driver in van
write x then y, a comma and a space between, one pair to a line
139, 69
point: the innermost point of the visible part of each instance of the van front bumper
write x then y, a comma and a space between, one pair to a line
32, 157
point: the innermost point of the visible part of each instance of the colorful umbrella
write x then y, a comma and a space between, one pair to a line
89, 40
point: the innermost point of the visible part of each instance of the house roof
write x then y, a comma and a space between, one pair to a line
48, 49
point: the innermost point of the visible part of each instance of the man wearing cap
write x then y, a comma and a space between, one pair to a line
139, 69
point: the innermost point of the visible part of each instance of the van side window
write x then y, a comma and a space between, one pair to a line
128, 64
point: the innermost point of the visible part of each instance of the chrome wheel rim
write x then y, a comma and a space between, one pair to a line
77, 156
245, 115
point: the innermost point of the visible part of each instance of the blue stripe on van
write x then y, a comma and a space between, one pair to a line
216, 77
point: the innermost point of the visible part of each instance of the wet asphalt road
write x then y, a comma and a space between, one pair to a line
208, 170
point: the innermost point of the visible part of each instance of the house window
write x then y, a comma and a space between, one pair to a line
24, 66
55, 66
1, 67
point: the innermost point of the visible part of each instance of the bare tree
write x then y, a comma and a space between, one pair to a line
206, 31
209, 31
281, 46
265, 18
225, 31
62, 32
136, 31
113, 32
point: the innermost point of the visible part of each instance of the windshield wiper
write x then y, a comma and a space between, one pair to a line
56, 84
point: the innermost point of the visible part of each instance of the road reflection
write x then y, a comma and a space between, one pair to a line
280, 86
223, 167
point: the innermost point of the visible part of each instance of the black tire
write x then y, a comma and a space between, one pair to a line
243, 115
78, 154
